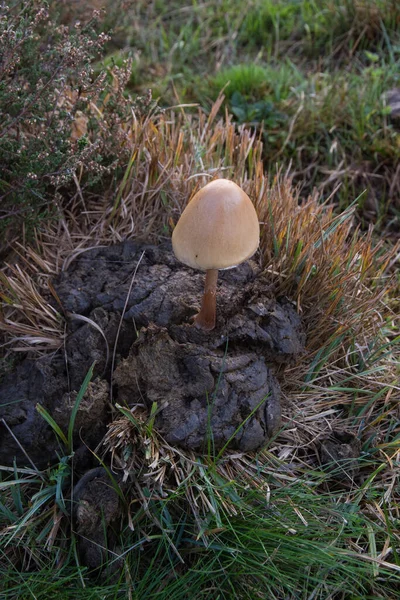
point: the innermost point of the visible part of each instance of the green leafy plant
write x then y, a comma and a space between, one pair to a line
254, 113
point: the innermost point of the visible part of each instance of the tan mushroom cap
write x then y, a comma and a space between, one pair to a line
218, 229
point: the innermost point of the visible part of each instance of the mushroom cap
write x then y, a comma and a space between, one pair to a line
218, 229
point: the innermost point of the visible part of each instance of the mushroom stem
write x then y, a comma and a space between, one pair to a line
206, 317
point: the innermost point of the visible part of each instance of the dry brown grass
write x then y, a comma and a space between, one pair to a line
338, 277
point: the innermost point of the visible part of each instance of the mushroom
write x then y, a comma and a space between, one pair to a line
218, 229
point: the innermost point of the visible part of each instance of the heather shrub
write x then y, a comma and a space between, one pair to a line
62, 126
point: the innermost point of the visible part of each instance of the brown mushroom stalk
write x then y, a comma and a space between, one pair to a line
206, 318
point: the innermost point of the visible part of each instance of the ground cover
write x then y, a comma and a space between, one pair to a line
117, 510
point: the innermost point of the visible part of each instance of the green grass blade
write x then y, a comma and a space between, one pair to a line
75, 409
49, 419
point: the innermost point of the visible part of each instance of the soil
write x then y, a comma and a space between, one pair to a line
340, 453
220, 386
96, 513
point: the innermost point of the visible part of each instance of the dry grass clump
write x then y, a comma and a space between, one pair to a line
42, 327
338, 277
368, 17
137, 450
